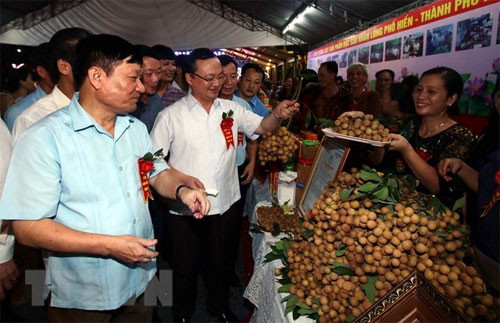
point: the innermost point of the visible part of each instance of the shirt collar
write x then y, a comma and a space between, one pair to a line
60, 99
82, 120
191, 102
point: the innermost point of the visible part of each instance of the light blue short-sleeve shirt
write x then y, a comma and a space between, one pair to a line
67, 167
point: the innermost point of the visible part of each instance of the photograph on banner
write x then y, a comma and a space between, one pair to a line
474, 32
352, 57
393, 49
343, 60
413, 45
364, 55
377, 53
333, 58
439, 40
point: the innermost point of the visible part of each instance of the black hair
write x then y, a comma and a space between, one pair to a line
62, 45
331, 67
164, 52
451, 79
400, 92
254, 66
197, 54
146, 51
38, 56
391, 73
15, 76
181, 61
104, 51
339, 78
410, 81
226, 59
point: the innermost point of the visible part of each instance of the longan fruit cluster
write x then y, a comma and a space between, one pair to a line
365, 127
389, 242
279, 145
267, 216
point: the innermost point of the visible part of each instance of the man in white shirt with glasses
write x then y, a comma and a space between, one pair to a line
200, 131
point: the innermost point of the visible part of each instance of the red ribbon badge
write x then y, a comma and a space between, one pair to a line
240, 138
146, 164
226, 125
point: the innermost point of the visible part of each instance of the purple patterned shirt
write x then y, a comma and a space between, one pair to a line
171, 95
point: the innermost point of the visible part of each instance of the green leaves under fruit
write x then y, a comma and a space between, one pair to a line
370, 176
284, 288
344, 195
349, 318
339, 264
367, 187
382, 193
344, 271
307, 234
369, 288
340, 251
292, 301
276, 229
459, 203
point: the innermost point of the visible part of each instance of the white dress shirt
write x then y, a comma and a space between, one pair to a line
38, 110
198, 148
6, 240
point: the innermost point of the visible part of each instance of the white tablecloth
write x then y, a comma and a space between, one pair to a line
262, 290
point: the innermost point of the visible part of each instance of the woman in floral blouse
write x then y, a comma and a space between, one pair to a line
436, 136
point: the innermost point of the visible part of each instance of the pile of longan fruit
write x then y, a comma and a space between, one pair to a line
277, 146
364, 127
268, 215
390, 243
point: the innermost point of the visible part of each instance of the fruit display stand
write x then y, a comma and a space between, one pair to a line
377, 238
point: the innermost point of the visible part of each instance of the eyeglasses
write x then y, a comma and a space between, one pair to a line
221, 78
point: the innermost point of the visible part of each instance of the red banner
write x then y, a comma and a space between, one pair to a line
430, 13
226, 125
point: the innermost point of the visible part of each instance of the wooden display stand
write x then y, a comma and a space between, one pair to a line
412, 300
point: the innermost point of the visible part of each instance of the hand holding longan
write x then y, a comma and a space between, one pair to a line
286, 109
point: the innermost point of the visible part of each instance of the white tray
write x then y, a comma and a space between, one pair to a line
332, 134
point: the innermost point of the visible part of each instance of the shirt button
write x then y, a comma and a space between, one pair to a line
66, 124
128, 194
120, 168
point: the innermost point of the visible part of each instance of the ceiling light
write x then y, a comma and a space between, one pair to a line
298, 19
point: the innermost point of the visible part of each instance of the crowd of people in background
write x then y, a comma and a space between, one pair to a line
84, 109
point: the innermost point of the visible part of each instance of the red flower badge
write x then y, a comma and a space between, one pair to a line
226, 125
146, 165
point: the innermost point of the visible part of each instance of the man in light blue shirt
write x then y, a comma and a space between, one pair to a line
74, 188
40, 62
149, 104
252, 76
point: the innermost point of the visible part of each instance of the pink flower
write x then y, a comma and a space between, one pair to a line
496, 65
476, 87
